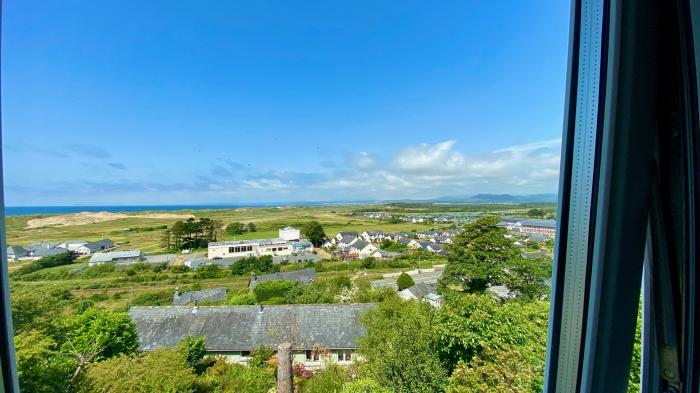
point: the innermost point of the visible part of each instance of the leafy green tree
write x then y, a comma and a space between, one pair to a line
398, 348
38, 310
368, 262
388, 245
364, 385
41, 367
193, 350
251, 227
528, 277
404, 281
65, 258
98, 334
162, 370
536, 213
506, 369
466, 324
313, 231
235, 228
478, 257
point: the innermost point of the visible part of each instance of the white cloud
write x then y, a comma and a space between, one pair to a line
430, 158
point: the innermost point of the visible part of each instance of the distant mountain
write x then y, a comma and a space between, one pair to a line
498, 198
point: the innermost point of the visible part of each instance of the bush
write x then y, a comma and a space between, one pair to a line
240, 379
268, 290
208, 271
179, 269
364, 385
161, 298
368, 263
46, 262
404, 281
260, 355
101, 270
330, 379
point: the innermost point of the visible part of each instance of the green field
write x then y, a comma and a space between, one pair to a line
134, 234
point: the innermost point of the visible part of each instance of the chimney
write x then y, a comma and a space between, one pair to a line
284, 368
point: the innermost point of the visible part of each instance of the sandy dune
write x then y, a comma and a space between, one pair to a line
90, 218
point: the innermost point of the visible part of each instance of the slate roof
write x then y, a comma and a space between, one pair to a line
349, 233
243, 328
421, 290
112, 255
375, 232
18, 251
45, 252
100, 245
303, 276
404, 240
347, 239
540, 223
205, 295
360, 245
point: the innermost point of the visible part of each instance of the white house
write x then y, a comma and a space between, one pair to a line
247, 248
92, 247
373, 236
72, 245
341, 235
289, 234
413, 243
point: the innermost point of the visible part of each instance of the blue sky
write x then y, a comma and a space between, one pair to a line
168, 102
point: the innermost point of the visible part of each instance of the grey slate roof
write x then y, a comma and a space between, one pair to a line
539, 223
353, 234
17, 251
359, 245
421, 290
45, 252
100, 245
243, 328
205, 295
115, 255
303, 276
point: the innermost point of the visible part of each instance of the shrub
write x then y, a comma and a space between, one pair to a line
208, 271
404, 281
267, 290
330, 379
46, 262
260, 355
364, 385
368, 263
179, 269
161, 298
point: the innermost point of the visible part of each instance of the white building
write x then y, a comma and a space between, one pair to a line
289, 234
247, 248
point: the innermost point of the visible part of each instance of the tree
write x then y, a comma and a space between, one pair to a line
536, 213
313, 231
193, 349
364, 385
98, 334
478, 257
162, 370
251, 227
40, 366
467, 324
235, 228
166, 240
398, 348
527, 277
404, 281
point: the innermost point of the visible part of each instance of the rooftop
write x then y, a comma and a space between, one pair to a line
243, 328
112, 255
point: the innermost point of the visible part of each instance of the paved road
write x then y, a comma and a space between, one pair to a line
422, 278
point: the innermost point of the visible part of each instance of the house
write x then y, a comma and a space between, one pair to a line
92, 247
340, 235
197, 297
72, 245
537, 237
435, 247
234, 331
118, 257
303, 276
289, 234
15, 253
414, 244
424, 244
373, 236
538, 227
416, 292
247, 248
345, 241
381, 254
46, 252
362, 248
442, 239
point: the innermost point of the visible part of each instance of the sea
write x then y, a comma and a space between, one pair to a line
36, 210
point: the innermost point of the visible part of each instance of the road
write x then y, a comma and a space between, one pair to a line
422, 278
